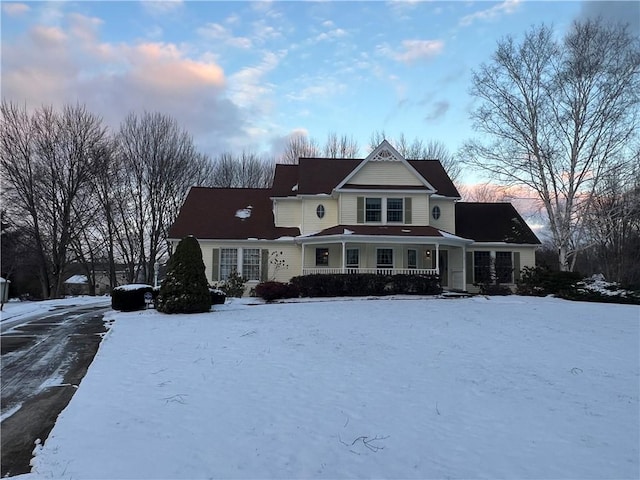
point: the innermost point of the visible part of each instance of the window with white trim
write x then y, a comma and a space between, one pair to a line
504, 267
228, 262
481, 266
395, 210
322, 257
412, 258
373, 209
384, 257
353, 258
251, 263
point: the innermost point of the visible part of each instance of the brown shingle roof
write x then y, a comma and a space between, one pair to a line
224, 213
322, 175
387, 230
492, 222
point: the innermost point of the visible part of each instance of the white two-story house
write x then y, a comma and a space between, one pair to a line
381, 214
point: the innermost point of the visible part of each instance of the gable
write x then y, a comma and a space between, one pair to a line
385, 167
384, 173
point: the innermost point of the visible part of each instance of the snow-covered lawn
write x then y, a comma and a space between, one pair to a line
508, 387
14, 309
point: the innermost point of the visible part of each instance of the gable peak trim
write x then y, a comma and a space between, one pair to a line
384, 153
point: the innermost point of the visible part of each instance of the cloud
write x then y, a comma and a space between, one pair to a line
53, 66
15, 9
215, 31
616, 12
438, 111
413, 50
504, 8
162, 7
321, 89
331, 34
249, 87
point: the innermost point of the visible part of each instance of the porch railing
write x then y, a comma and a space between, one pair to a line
379, 271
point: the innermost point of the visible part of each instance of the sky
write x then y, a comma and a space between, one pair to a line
245, 76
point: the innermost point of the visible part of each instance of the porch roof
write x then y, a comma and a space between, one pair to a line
408, 233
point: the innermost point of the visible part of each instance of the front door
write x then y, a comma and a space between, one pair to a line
444, 268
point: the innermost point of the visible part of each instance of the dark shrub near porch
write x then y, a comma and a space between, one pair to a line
347, 285
218, 297
128, 298
270, 291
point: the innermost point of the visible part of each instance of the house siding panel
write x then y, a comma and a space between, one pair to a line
311, 221
288, 213
385, 173
447, 220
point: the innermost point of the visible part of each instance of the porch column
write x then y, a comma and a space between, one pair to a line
302, 262
464, 268
438, 258
344, 249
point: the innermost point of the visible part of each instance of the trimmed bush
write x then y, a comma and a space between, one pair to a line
234, 285
270, 291
185, 288
540, 281
364, 284
129, 298
218, 297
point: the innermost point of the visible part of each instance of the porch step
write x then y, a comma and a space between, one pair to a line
453, 294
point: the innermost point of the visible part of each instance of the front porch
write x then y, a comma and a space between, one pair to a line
378, 271
388, 258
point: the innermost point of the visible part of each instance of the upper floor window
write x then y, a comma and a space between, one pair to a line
320, 211
395, 208
373, 212
435, 212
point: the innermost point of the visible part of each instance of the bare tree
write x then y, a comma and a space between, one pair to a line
49, 160
558, 113
161, 163
420, 150
299, 146
340, 147
246, 170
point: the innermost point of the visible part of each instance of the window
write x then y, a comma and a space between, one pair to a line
412, 258
353, 258
481, 267
394, 210
504, 267
322, 257
228, 262
384, 258
435, 212
373, 212
320, 211
251, 263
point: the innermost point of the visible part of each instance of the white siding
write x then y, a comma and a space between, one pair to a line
385, 173
420, 207
293, 266
288, 213
311, 221
447, 220
348, 209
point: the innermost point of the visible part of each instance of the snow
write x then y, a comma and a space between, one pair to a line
508, 387
15, 309
132, 286
347, 232
77, 279
244, 213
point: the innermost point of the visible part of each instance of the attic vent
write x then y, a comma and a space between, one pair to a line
384, 155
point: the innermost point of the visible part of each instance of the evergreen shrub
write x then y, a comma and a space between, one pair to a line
129, 298
234, 285
541, 281
218, 297
364, 284
270, 291
185, 288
